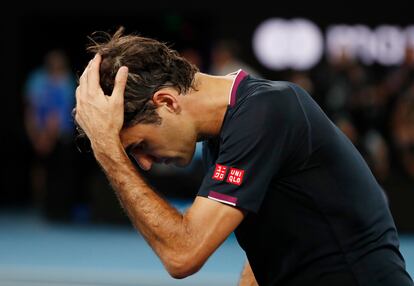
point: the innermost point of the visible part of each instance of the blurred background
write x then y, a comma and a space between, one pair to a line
60, 222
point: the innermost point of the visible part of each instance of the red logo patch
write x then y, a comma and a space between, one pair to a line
219, 172
235, 176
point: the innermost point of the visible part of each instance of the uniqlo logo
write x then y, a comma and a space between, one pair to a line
235, 176
219, 172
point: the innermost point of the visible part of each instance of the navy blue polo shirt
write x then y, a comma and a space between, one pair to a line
315, 213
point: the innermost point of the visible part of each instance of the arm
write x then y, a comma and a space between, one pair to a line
247, 277
183, 242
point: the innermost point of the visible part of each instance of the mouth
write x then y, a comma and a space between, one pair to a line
165, 161
168, 161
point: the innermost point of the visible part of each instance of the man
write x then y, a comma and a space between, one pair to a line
302, 202
49, 101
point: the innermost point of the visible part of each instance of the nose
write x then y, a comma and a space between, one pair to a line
145, 161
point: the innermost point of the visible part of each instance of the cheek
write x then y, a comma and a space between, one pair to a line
175, 135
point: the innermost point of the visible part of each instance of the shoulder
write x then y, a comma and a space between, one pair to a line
38, 74
35, 81
259, 91
269, 111
265, 99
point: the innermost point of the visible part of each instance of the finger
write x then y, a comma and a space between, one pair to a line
73, 113
83, 81
84, 75
75, 117
93, 73
120, 83
77, 93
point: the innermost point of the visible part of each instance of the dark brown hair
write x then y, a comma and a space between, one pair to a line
152, 65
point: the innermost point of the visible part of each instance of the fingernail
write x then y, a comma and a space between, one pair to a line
124, 69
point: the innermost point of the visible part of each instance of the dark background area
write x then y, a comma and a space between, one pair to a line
30, 30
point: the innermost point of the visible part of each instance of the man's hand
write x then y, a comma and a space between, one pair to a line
99, 115
247, 277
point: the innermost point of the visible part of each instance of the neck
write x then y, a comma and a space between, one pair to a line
211, 99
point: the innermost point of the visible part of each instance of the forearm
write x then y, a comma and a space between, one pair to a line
247, 277
162, 226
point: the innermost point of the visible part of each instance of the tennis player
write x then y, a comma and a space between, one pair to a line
301, 200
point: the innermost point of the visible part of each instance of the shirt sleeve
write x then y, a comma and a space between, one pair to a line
260, 138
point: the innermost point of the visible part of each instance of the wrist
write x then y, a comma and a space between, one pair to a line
109, 145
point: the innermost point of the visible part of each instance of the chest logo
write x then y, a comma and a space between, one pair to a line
235, 176
219, 172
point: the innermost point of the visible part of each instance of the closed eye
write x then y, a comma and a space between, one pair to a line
133, 146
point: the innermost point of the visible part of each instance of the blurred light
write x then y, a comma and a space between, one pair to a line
280, 44
299, 44
384, 45
391, 45
343, 40
409, 34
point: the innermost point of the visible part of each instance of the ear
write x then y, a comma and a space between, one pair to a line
167, 97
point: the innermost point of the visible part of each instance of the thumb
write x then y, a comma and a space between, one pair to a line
120, 83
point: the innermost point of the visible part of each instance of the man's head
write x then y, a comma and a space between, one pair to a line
155, 128
56, 63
